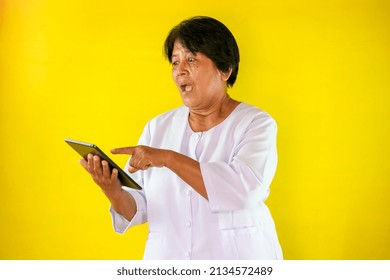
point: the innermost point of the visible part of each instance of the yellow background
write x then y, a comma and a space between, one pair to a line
93, 70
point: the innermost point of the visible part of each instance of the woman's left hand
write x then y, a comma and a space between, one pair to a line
143, 157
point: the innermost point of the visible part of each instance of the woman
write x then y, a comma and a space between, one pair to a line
205, 167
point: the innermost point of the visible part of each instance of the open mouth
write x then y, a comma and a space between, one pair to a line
185, 87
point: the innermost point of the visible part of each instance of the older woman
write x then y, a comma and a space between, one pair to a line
205, 167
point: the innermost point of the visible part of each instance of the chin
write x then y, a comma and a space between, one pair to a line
188, 102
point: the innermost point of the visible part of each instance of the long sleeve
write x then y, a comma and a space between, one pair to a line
243, 181
120, 223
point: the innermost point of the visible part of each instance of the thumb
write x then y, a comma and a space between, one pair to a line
132, 169
84, 163
123, 150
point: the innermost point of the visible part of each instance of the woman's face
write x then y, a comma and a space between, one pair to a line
201, 84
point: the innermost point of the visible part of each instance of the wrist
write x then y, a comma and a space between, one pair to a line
168, 158
113, 195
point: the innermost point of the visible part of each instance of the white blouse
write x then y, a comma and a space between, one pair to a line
238, 160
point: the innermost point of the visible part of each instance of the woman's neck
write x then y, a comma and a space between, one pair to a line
205, 119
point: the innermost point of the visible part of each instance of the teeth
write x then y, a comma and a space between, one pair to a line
186, 87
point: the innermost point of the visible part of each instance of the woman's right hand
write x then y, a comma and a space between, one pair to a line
121, 200
103, 177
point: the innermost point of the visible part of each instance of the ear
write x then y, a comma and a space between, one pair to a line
226, 75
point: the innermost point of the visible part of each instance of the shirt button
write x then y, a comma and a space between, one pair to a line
188, 224
188, 193
187, 255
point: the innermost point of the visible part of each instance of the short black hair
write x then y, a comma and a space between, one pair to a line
210, 37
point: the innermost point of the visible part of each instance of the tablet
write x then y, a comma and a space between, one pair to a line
84, 149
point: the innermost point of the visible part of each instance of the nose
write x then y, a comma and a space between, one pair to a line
181, 68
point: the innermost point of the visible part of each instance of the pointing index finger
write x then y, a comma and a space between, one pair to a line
123, 150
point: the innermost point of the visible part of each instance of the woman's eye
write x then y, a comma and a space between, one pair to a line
191, 59
174, 63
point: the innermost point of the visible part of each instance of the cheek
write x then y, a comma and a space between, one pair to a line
210, 80
173, 75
